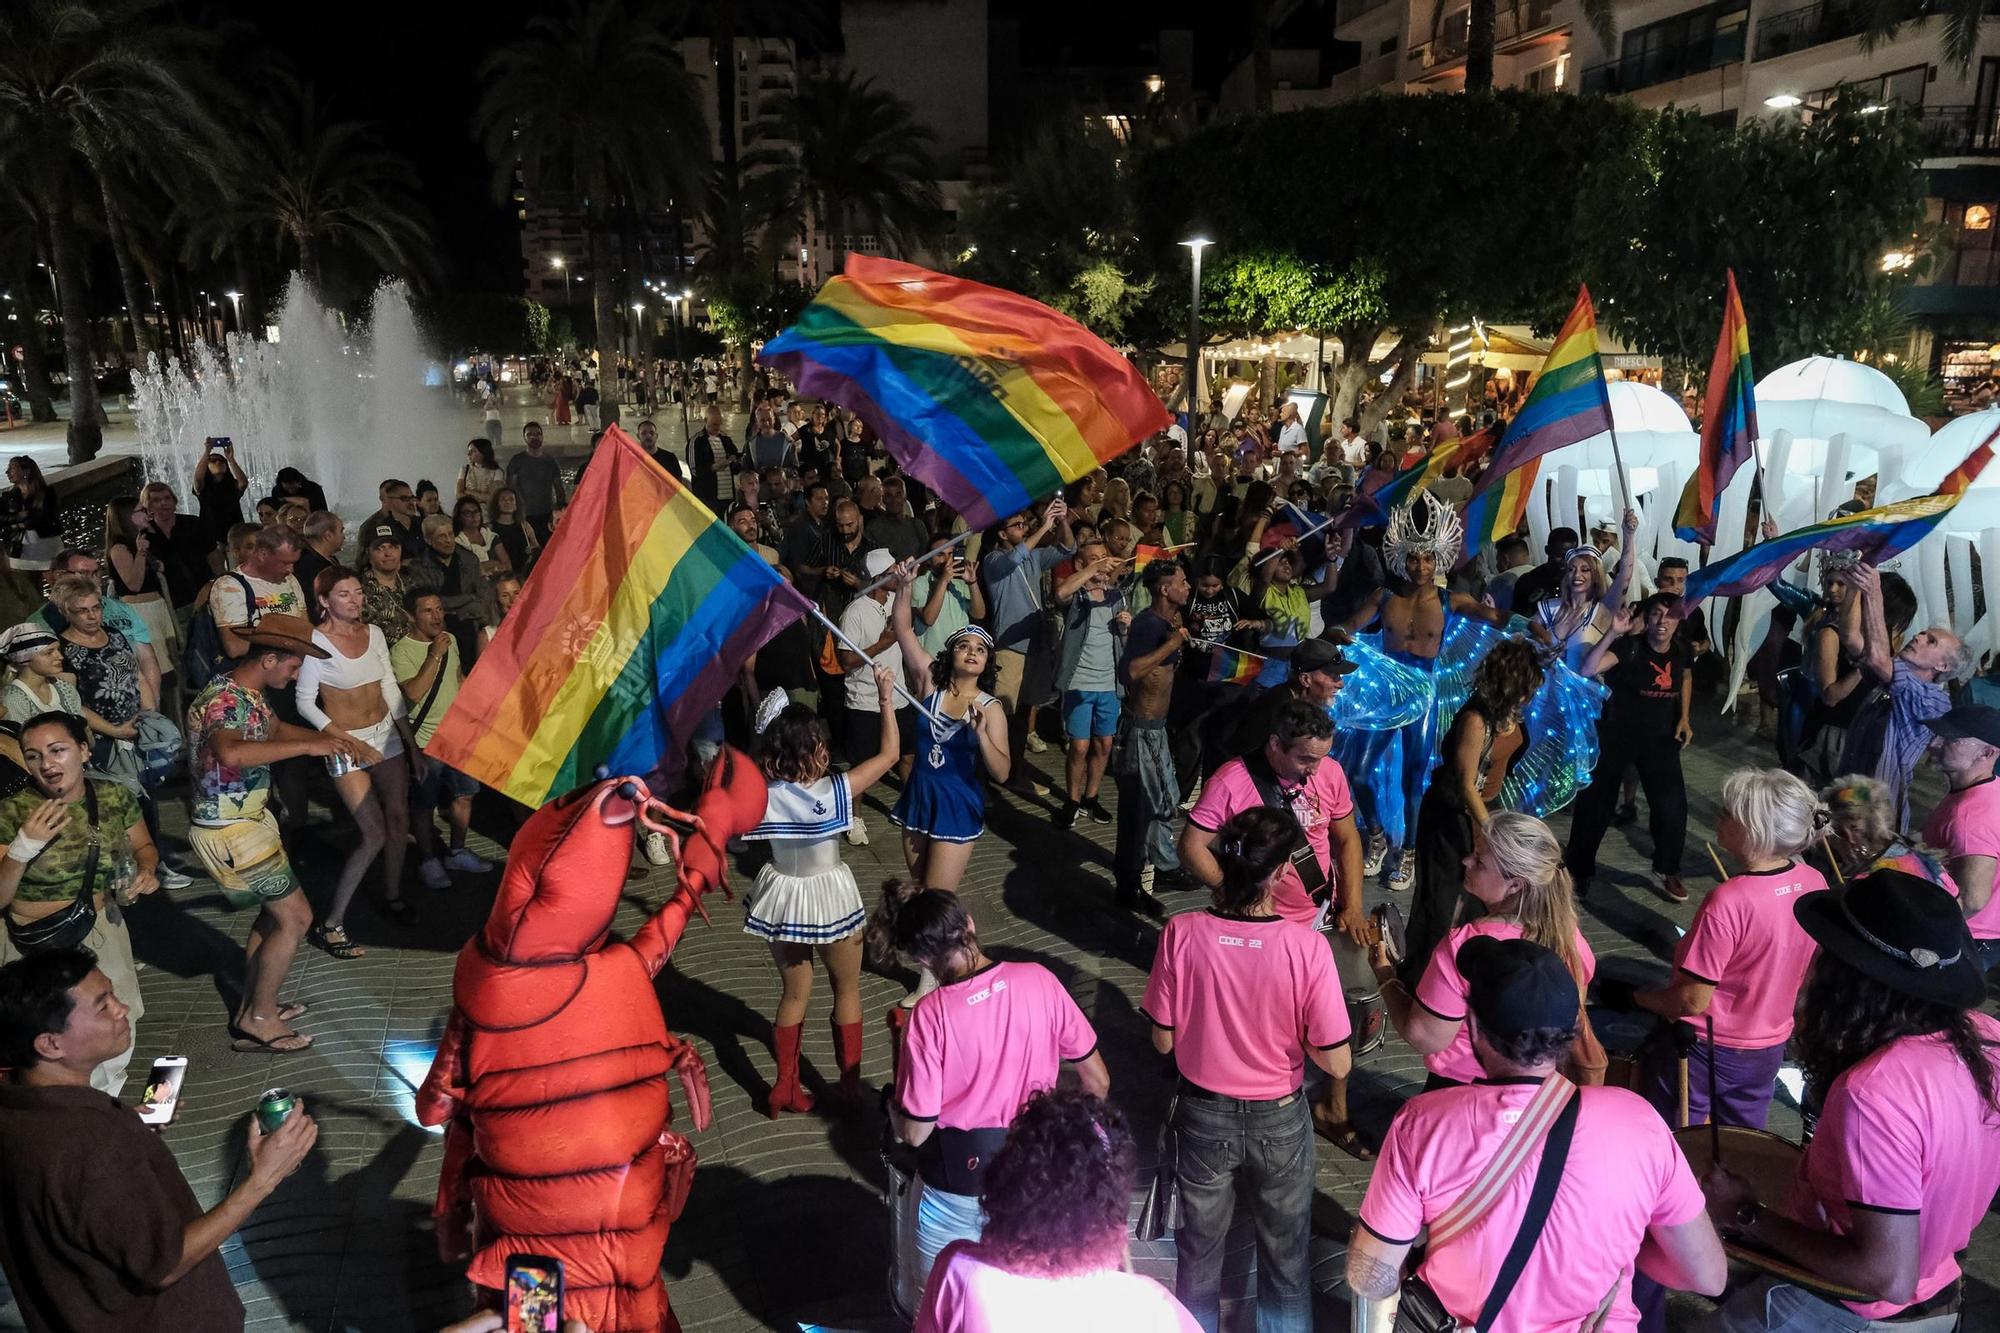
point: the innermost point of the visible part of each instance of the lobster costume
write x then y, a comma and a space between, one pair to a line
552, 1072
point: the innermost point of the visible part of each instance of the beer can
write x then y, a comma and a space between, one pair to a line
274, 1107
339, 765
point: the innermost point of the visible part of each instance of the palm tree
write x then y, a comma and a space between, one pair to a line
1480, 33
862, 153
83, 84
1884, 18
313, 183
548, 119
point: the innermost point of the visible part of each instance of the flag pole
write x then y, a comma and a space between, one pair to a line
1320, 526
922, 560
855, 648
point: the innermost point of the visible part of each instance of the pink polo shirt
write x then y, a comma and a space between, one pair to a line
1320, 804
1442, 990
977, 1048
1747, 944
1243, 996
1905, 1131
1623, 1175
1967, 823
969, 1295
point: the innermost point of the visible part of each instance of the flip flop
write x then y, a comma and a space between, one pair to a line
293, 1011
1342, 1135
245, 1043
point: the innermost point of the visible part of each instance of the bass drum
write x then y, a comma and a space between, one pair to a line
1770, 1164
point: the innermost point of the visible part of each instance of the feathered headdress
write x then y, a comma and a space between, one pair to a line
1423, 525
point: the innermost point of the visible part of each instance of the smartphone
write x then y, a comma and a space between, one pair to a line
163, 1090
220, 442
534, 1294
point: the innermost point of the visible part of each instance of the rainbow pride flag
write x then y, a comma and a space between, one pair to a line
1231, 666
1454, 455
1728, 425
633, 624
1569, 402
990, 399
1499, 510
1877, 533
1143, 555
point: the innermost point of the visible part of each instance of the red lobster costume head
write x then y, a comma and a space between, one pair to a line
552, 1071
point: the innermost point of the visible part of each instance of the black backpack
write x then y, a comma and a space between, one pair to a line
203, 657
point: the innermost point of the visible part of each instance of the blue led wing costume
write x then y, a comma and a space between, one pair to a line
1561, 722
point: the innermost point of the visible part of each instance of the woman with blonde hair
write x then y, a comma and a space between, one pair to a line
1738, 970
1516, 872
1581, 612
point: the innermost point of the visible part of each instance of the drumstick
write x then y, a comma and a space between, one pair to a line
1714, 1125
1720, 873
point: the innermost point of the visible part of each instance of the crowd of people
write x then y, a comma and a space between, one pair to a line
1385, 728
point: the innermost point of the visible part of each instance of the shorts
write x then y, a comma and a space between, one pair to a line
1090, 714
1009, 667
245, 856
381, 736
441, 785
864, 733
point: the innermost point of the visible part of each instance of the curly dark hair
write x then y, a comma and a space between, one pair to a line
1534, 1047
1509, 676
791, 746
927, 926
1059, 1190
1846, 1016
1249, 846
941, 669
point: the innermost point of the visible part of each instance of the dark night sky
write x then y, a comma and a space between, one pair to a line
411, 66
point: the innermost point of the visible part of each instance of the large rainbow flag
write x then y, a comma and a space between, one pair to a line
1728, 424
1877, 533
633, 624
1446, 457
990, 399
1569, 402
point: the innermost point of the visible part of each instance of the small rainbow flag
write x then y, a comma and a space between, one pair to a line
989, 398
1877, 533
636, 619
1447, 457
1232, 666
1569, 402
1143, 555
1728, 424
1291, 523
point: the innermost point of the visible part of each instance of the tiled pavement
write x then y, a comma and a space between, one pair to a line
786, 1228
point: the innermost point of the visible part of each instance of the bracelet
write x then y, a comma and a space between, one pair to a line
25, 849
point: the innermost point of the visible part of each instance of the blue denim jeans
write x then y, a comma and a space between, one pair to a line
1769, 1305
943, 1217
1266, 1149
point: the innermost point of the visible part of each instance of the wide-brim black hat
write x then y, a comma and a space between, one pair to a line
1901, 930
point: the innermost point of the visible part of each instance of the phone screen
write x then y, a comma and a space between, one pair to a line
534, 1294
163, 1090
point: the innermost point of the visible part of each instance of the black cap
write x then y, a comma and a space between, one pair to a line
1516, 986
1319, 655
380, 533
1968, 721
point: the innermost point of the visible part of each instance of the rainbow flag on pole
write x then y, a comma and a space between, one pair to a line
1454, 455
1569, 402
636, 619
1728, 425
1877, 533
990, 399
1232, 666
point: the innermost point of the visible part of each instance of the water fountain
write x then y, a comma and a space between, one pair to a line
347, 407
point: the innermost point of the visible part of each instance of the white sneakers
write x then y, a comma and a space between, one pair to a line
657, 851
170, 878
1035, 744
857, 833
463, 858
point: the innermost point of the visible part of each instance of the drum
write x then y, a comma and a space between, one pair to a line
1770, 1164
1624, 1033
906, 1283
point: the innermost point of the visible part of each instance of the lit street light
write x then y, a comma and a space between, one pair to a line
236, 308
1195, 246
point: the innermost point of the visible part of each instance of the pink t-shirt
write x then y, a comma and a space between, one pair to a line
1442, 990
1243, 996
976, 1049
1624, 1174
1322, 802
968, 1295
1967, 823
1747, 944
1905, 1131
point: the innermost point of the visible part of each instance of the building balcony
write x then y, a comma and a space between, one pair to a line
1960, 131
1817, 24
1349, 10
1644, 69
1513, 29
1366, 77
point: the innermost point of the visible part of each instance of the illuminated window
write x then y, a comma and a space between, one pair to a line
1978, 217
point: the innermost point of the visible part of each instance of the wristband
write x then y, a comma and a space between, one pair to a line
25, 849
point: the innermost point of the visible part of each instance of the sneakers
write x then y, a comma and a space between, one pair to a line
1035, 744
657, 852
1404, 874
433, 874
171, 878
1067, 816
465, 859
857, 833
1095, 809
1378, 852
1668, 886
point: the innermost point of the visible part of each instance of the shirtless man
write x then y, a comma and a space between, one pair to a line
1143, 763
1423, 543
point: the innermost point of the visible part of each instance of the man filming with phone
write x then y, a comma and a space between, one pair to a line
99, 1232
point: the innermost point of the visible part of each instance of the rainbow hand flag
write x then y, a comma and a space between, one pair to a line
1877, 533
1569, 402
1143, 555
1728, 425
634, 623
1232, 666
990, 399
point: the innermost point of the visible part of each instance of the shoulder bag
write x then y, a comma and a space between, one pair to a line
1551, 1114
1160, 1215
72, 926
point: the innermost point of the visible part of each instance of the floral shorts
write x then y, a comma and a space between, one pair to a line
245, 856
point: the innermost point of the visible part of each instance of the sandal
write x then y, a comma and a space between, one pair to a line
293, 1011
397, 909
333, 939
1342, 1135
246, 1043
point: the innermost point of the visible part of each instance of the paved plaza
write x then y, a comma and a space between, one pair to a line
786, 1228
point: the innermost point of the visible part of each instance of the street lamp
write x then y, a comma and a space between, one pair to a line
1195, 246
236, 308
556, 261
